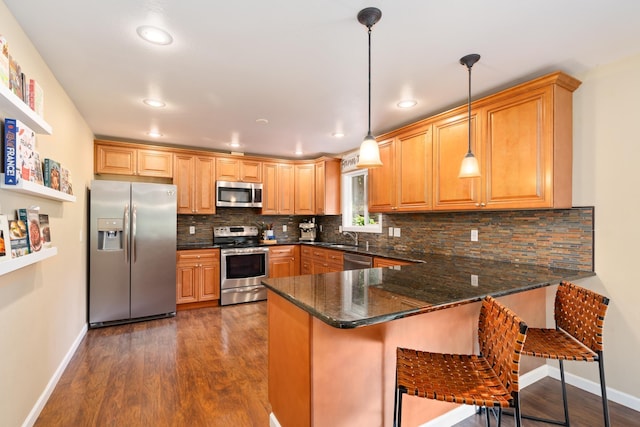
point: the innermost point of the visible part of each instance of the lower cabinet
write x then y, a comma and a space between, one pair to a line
315, 260
283, 261
197, 275
389, 262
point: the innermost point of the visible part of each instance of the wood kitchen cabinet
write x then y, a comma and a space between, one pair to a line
194, 179
404, 182
321, 260
522, 138
284, 261
389, 262
197, 276
327, 187
277, 189
243, 170
125, 159
304, 194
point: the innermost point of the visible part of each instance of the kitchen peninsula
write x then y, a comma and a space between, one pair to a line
332, 337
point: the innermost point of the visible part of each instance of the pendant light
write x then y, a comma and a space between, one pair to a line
469, 167
369, 151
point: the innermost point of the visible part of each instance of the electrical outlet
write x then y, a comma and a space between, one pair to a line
474, 235
396, 232
390, 231
284, 228
474, 280
192, 229
340, 229
320, 226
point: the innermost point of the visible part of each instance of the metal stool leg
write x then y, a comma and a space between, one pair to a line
564, 394
603, 388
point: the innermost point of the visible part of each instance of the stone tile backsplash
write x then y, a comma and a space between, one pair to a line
557, 238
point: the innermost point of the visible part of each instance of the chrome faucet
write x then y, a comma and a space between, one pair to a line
353, 235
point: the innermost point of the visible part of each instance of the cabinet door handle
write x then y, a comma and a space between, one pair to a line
481, 205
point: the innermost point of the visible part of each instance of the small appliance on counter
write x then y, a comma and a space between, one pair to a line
307, 231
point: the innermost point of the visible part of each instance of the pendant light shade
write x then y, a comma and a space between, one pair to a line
470, 167
369, 151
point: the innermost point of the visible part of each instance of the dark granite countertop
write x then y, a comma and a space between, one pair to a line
356, 298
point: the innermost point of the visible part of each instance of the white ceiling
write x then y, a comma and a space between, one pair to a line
303, 64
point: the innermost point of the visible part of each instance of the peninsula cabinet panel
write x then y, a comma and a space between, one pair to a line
450, 144
194, 178
228, 169
278, 189
304, 184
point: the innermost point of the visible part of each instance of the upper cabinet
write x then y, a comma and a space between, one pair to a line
304, 182
233, 169
277, 189
123, 159
327, 186
521, 136
404, 182
194, 179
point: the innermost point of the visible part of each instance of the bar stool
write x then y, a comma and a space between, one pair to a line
489, 379
579, 316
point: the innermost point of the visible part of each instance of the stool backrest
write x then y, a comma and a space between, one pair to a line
580, 312
501, 334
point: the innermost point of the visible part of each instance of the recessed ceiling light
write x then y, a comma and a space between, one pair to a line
298, 152
233, 144
337, 134
262, 121
154, 134
154, 35
407, 103
155, 103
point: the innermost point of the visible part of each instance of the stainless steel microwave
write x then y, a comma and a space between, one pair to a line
238, 194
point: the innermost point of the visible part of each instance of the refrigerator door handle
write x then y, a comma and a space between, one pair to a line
126, 233
134, 220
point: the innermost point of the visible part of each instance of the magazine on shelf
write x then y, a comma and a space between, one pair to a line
36, 169
21, 214
65, 181
33, 227
36, 97
5, 240
45, 231
4, 62
18, 238
15, 77
52, 174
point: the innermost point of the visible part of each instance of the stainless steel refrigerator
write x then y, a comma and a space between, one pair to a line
132, 252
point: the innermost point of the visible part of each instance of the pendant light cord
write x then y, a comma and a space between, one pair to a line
469, 108
369, 126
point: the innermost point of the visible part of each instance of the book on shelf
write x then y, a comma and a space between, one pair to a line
4, 62
36, 169
52, 174
18, 238
15, 78
19, 145
45, 230
21, 215
36, 97
65, 181
5, 242
33, 227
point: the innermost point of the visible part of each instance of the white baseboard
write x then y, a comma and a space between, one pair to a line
42, 400
592, 387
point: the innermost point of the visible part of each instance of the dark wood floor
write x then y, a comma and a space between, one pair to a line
208, 367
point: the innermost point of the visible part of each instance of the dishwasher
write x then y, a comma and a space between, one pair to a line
355, 261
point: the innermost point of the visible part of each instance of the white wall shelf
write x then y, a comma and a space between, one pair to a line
34, 189
14, 108
23, 261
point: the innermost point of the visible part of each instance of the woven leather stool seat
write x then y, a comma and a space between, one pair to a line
488, 379
579, 315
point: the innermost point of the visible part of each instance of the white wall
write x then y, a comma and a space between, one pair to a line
607, 175
43, 306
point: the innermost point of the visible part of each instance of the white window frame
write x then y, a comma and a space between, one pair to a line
347, 212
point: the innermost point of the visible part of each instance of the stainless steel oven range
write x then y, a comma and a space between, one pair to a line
243, 264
